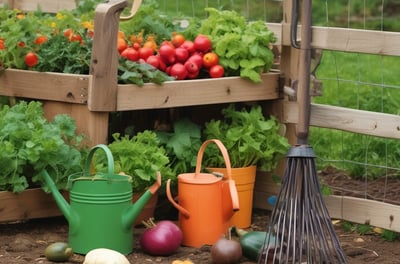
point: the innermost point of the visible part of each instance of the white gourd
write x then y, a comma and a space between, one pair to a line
105, 256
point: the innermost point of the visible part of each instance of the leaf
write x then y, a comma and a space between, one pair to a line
249, 137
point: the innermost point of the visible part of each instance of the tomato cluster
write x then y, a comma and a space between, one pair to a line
178, 57
31, 58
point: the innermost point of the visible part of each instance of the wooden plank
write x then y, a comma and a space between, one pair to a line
197, 92
72, 88
30, 204
362, 211
47, 6
104, 59
93, 124
349, 40
264, 187
357, 40
276, 28
346, 119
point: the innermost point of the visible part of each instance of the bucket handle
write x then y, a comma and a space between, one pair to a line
223, 151
110, 159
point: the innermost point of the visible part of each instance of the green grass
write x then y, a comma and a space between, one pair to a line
359, 81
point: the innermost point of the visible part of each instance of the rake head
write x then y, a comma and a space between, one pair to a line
300, 229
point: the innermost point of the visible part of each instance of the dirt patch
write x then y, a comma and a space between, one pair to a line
25, 242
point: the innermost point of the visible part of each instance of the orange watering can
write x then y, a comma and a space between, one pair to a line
206, 202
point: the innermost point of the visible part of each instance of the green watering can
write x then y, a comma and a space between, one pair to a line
100, 213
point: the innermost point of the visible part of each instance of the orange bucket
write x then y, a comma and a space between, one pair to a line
206, 203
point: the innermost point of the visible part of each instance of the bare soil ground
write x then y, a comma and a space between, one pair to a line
26, 242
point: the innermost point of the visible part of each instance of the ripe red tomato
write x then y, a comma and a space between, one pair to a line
76, 37
68, 32
189, 45
178, 71
136, 45
181, 55
21, 44
167, 53
216, 71
154, 61
210, 59
191, 67
40, 39
198, 59
2, 44
202, 43
130, 54
144, 53
31, 59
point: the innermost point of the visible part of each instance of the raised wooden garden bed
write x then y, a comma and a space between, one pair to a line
31, 203
90, 98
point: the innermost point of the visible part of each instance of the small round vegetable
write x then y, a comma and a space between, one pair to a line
31, 59
58, 252
161, 239
105, 256
226, 251
216, 71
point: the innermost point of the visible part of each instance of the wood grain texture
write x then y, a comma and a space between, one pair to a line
197, 92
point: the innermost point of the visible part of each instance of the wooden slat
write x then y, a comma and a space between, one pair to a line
48, 6
31, 203
92, 124
264, 187
348, 39
197, 92
352, 120
104, 59
72, 88
276, 28
364, 211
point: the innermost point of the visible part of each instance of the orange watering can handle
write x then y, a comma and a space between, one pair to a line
234, 195
182, 210
224, 153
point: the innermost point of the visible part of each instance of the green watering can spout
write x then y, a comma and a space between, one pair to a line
60, 200
130, 216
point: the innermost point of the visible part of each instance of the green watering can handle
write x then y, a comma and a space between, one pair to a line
110, 159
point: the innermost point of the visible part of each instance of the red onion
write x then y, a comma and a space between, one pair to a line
161, 239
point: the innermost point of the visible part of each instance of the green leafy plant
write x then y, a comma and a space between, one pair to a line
59, 54
140, 73
249, 138
182, 145
243, 48
389, 235
140, 156
29, 143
